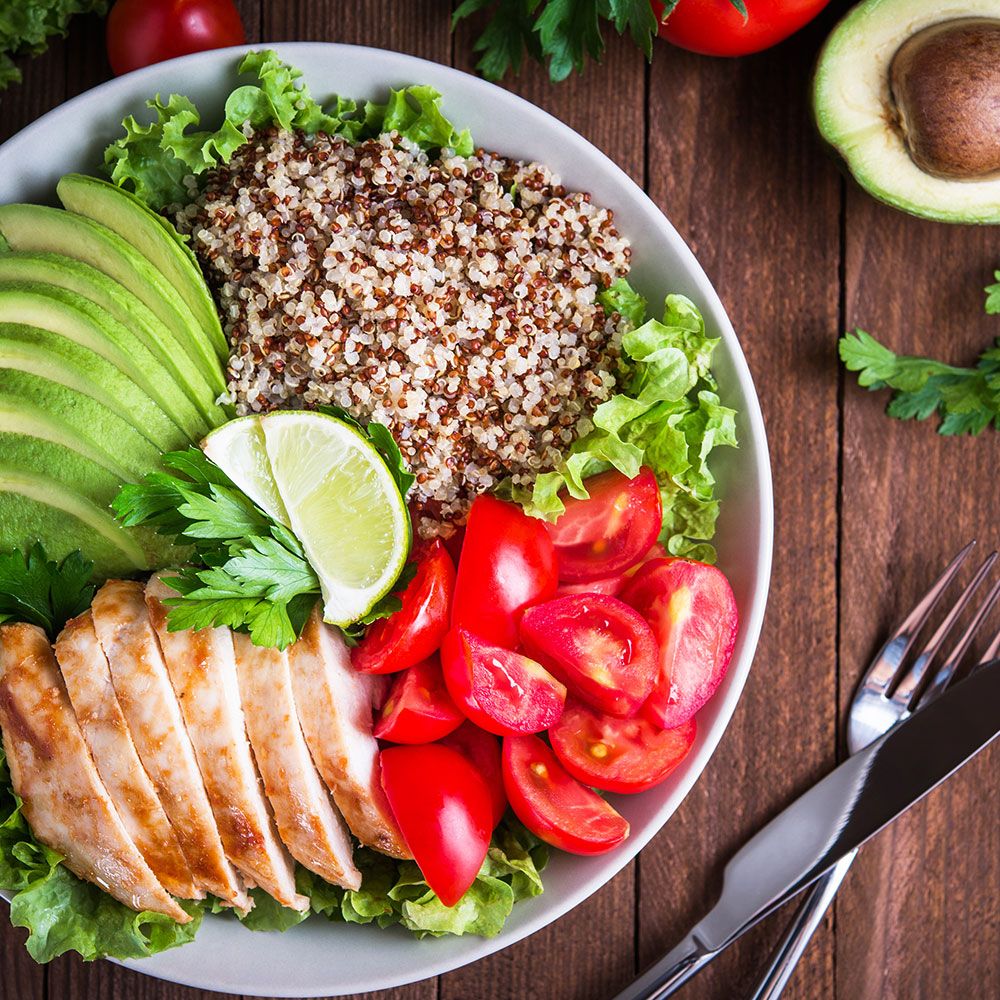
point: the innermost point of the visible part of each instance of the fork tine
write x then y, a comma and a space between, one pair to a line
992, 651
947, 671
913, 678
888, 663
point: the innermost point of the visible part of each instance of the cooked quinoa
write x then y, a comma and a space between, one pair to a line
453, 299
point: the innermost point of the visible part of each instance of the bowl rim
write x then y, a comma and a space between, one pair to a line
726, 699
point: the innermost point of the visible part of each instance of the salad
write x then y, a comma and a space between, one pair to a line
355, 527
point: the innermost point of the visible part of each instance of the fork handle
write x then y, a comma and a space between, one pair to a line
803, 925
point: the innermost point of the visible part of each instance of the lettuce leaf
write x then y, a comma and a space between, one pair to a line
668, 417
154, 160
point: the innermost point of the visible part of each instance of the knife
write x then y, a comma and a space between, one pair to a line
836, 816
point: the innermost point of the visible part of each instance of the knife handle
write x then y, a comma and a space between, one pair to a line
673, 970
803, 925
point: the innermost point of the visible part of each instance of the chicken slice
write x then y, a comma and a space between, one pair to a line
65, 801
202, 668
309, 825
334, 704
87, 678
154, 720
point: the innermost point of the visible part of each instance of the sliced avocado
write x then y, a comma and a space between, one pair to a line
908, 95
81, 321
40, 228
153, 236
201, 387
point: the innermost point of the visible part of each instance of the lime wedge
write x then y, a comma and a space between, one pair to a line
343, 505
238, 449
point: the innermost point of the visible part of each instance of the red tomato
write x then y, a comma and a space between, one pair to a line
415, 631
419, 708
618, 755
507, 564
482, 749
143, 32
554, 806
656, 552
443, 810
606, 534
610, 586
717, 28
692, 611
598, 646
501, 691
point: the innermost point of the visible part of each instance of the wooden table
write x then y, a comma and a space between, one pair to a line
867, 510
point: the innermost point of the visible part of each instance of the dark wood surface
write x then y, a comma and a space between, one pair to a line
866, 511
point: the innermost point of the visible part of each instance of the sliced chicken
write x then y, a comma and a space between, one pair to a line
87, 678
334, 704
154, 719
202, 668
65, 801
307, 821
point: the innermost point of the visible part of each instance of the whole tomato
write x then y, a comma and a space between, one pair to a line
717, 28
143, 32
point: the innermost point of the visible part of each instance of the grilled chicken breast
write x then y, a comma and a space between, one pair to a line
154, 719
202, 669
334, 704
65, 801
87, 677
309, 825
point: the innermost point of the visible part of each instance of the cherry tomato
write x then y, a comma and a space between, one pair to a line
606, 534
482, 749
598, 646
555, 806
618, 755
692, 611
507, 564
415, 631
442, 807
656, 552
143, 32
419, 708
717, 28
501, 691
610, 586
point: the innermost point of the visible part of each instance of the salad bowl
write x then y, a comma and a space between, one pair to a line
317, 958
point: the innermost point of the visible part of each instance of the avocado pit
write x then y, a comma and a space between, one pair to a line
945, 86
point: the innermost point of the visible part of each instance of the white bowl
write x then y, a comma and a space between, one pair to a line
322, 959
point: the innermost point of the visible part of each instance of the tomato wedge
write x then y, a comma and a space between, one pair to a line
415, 631
618, 755
598, 646
482, 749
501, 691
507, 564
604, 535
692, 611
418, 708
442, 807
610, 586
555, 806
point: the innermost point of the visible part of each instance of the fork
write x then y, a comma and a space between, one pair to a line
892, 689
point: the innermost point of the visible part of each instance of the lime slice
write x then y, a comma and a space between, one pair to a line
343, 505
238, 449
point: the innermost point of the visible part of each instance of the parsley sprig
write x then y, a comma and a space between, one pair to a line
43, 592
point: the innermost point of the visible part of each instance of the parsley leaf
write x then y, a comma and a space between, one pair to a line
993, 295
40, 591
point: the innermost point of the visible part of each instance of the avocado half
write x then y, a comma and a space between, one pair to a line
908, 94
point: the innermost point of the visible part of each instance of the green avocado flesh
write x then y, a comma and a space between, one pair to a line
126, 309
153, 237
37, 228
73, 318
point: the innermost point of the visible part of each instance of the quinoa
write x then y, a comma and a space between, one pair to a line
453, 299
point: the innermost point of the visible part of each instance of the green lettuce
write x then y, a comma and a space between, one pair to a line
153, 160
669, 417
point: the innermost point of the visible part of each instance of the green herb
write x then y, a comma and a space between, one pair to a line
27, 26
966, 399
669, 418
154, 160
993, 295
42, 592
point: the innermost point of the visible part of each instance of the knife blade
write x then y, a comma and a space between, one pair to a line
837, 815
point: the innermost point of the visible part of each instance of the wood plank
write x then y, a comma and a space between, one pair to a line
918, 914
734, 166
